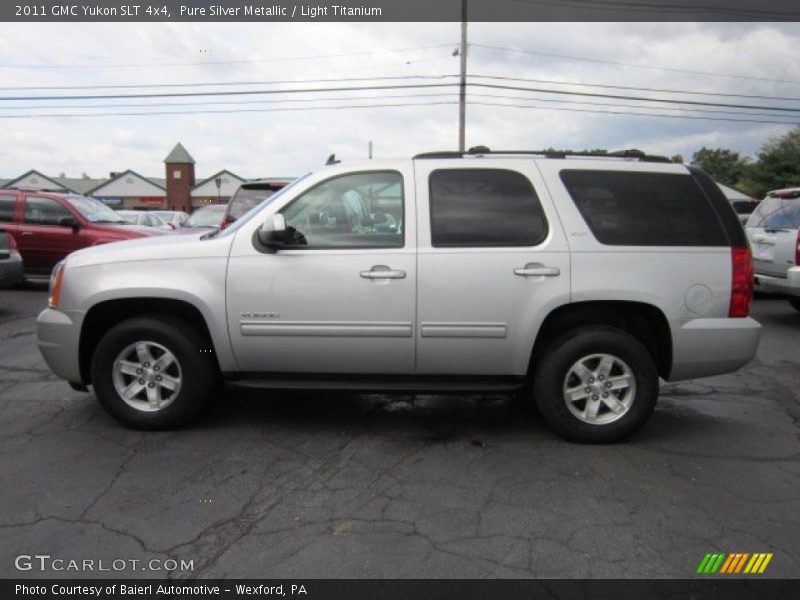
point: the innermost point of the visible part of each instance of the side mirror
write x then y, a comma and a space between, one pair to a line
272, 232
69, 222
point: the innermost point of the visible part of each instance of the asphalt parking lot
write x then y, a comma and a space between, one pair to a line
314, 485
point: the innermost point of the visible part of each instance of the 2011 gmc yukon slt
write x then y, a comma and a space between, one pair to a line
588, 277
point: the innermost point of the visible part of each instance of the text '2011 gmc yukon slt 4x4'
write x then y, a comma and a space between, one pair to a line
588, 277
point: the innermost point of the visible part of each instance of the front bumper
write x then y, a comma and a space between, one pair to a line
58, 338
705, 347
778, 285
11, 271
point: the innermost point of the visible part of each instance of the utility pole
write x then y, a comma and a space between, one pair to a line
462, 92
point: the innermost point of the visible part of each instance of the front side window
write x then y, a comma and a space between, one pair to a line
625, 208
363, 210
7, 204
45, 211
484, 207
93, 210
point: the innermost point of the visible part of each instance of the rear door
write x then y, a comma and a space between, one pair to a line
773, 230
493, 261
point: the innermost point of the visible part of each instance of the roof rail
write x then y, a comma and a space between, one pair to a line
483, 150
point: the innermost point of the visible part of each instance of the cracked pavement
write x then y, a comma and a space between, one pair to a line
368, 486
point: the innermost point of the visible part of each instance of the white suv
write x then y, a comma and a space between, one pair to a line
580, 279
774, 232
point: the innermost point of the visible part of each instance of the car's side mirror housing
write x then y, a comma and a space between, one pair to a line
71, 222
273, 234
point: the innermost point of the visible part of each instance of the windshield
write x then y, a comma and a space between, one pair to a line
249, 214
209, 216
94, 211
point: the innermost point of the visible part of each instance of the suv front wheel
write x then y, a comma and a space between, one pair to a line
595, 384
153, 373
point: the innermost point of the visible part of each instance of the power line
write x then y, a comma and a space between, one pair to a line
398, 87
617, 105
635, 65
232, 93
226, 62
637, 98
243, 110
232, 102
221, 83
638, 89
636, 114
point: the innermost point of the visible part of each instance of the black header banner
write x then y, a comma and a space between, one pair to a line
397, 10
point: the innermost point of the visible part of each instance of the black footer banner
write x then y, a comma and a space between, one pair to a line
416, 589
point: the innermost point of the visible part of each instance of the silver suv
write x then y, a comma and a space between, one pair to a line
577, 278
774, 232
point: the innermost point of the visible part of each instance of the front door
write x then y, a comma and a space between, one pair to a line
341, 297
42, 236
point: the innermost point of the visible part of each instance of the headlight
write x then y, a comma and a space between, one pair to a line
56, 279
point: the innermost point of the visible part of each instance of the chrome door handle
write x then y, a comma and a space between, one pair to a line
27, 233
383, 272
537, 270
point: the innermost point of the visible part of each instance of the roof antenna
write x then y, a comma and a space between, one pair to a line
332, 160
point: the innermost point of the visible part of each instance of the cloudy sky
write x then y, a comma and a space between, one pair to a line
290, 133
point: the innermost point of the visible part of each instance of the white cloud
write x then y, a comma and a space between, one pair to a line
291, 142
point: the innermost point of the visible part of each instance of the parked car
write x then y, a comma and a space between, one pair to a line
175, 218
583, 278
774, 233
11, 270
249, 195
204, 218
743, 204
145, 219
47, 226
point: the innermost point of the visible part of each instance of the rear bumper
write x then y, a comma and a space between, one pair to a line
11, 272
778, 285
58, 337
705, 347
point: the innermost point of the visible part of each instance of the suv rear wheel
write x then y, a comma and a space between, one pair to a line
596, 384
151, 373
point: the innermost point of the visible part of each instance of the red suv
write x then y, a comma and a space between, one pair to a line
47, 226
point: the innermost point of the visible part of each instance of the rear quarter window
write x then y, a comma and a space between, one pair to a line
624, 208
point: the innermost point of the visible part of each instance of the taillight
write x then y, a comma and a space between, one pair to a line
56, 280
12, 244
741, 282
797, 250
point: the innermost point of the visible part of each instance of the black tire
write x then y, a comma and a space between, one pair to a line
193, 363
795, 302
553, 368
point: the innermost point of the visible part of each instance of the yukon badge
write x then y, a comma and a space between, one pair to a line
259, 315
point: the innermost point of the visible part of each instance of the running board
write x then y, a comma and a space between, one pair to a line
440, 384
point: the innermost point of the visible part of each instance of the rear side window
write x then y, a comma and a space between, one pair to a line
7, 203
624, 208
776, 213
484, 207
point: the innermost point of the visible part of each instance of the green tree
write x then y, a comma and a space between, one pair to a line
778, 165
726, 166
